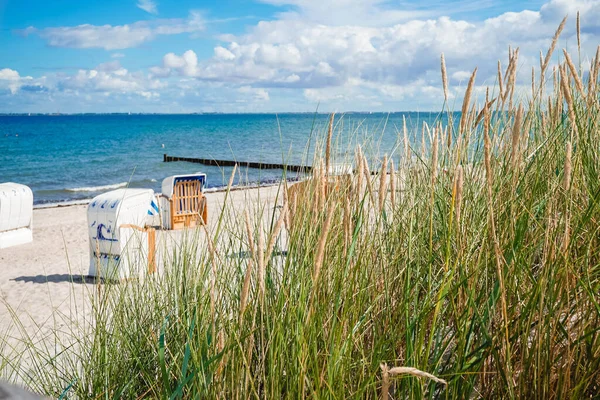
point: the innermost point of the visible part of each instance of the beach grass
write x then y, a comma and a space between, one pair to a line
469, 267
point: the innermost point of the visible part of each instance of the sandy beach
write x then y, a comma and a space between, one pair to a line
41, 282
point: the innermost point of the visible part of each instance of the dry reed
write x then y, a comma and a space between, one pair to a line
321, 246
328, 146
516, 135
415, 372
406, 144
261, 263
367, 173
466, 102
458, 189
553, 45
500, 84
392, 184
566, 91
578, 83
383, 183
385, 381
444, 77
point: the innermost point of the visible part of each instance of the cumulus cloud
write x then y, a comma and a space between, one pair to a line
400, 61
148, 5
110, 78
301, 57
11, 80
117, 37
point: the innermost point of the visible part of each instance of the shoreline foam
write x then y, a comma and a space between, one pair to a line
216, 189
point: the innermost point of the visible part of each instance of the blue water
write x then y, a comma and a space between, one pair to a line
66, 158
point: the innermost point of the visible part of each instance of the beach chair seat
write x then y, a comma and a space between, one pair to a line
183, 202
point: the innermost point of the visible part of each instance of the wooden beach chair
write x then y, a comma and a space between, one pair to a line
185, 204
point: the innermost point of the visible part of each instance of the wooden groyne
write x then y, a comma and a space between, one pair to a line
229, 163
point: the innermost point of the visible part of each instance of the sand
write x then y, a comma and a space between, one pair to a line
41, 283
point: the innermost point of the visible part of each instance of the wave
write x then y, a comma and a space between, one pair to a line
98, 188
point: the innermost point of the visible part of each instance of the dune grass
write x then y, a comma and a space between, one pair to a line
468, 269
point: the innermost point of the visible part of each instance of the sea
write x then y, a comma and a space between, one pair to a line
72, 158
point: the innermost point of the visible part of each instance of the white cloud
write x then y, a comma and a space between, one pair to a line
221, 53
9, 74
296, 53
117, 55
256, 94
185, 65
111, 37
148, 5
11, 80
301, 58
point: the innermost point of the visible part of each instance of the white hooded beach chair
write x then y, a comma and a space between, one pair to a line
16, 214
122, 235
182, 203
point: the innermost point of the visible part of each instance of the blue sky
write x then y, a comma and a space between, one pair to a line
270, 55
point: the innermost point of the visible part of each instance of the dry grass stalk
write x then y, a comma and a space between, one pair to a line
393, 184
434, 156
385, 382
507, 76
383, 183
367, 173
567, 172
286, 201
458, 188
318, 193
261, 263
466, 102
498, 254
328, 146
578, 83
511, 84
231, 177
516, 135
566, 91
276, 230
247, 277
444, 78
246, 288
406, 144
532, 82
553, 45
415, 372
322, 186
578, 26
593, 78
423, 141
500, 84
347, 224
566, 187
482, 113
359, 173
448, 136
321, 246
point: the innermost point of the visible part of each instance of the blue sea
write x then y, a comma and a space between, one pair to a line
67, 158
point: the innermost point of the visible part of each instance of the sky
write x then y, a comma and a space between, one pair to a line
183, 56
